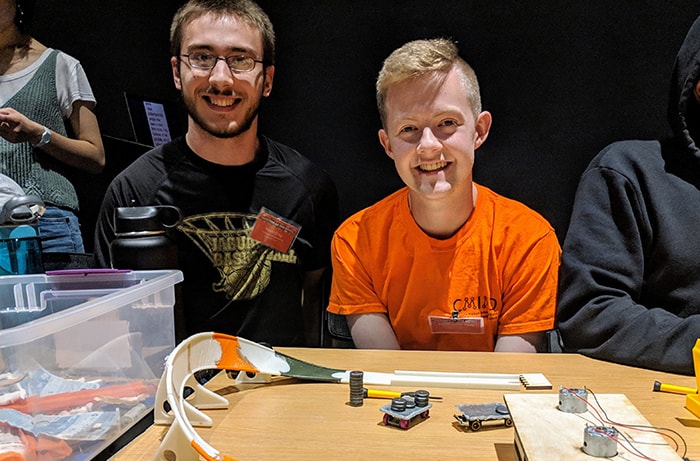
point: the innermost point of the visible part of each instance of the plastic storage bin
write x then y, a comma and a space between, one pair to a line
81, 353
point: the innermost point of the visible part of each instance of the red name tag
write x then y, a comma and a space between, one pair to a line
274, 231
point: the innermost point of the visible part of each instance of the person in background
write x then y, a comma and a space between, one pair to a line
42, 92
443, 263
241, 193
630, 273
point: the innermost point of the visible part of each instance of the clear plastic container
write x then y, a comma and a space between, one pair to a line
81, 353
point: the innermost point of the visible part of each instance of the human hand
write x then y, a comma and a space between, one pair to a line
16, 127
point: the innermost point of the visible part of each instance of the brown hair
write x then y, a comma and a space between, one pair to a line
246, 10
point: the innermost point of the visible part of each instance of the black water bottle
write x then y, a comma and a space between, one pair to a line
141, 241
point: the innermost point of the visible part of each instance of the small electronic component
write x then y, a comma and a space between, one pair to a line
573, 400
600, 441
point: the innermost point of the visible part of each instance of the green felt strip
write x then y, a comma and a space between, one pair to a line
305, 370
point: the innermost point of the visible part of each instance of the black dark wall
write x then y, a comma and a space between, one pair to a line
562, 79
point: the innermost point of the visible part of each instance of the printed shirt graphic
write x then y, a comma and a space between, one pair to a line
501, 266
244, 264
232, 284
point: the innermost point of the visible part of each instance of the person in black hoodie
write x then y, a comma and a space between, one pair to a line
629, 285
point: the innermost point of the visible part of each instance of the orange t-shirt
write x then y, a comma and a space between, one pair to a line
496, 276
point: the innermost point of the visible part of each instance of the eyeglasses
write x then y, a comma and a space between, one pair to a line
206, 61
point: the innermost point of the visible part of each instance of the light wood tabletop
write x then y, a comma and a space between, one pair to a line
294, 420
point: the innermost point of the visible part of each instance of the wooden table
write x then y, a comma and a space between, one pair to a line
292, 420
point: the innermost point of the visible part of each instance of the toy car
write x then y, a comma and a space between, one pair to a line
474, 415
403, 411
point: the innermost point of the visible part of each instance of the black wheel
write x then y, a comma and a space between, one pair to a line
509, 422
475, 425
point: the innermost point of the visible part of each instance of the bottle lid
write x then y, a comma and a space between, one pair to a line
145, 218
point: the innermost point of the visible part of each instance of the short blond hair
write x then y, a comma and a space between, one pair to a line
421, 57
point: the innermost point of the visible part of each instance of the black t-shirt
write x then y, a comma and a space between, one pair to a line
233, 284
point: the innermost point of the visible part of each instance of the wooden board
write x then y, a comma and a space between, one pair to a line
543, 432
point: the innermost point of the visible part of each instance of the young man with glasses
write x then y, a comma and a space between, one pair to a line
258, 216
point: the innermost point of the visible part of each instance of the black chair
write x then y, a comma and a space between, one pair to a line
553, 342
337, 334
334, 328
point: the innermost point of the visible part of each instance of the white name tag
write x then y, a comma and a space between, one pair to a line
456, 326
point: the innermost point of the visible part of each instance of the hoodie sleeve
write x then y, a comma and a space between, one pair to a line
601, 283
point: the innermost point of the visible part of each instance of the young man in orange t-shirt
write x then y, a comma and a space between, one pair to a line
443, 263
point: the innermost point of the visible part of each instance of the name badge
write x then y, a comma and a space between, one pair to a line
274, 231
456, 326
